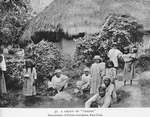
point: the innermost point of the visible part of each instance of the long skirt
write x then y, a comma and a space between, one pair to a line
129, 71
28, 88
95, 83
2, 83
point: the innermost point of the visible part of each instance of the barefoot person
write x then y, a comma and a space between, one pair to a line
127, 73
30, 77
97, 72
102, 99
2, 70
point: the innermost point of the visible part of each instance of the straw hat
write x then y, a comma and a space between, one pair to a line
86, 69
97, 57
26, 75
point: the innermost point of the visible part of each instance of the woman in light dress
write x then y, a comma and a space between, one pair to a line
30, 77
97, 73
128, 73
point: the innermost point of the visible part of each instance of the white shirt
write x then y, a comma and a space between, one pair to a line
104, 102
86, 79
113, 54
3, 63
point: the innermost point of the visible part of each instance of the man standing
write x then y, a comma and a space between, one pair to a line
114, 54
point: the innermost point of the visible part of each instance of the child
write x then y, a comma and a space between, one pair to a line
127, 75
97, 72
111, 71
30, 76
84, 84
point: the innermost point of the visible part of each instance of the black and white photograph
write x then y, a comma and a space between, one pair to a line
57, 54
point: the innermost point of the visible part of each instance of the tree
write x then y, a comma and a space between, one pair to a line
123, 29
14, 16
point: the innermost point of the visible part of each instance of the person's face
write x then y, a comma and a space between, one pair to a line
109, 65
97, 61
102, 93
107, 82
28, 64
86, 73
115, 47
58, 74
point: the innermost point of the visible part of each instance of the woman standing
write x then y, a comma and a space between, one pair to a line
30, 76
128, 70
97, 72
2, 70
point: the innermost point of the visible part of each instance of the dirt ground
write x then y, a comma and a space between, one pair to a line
134, 100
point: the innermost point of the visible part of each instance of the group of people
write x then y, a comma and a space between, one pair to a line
99, 79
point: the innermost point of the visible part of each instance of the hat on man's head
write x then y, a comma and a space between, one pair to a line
57, 71
114, 44
97, 57
86, 69
106, 78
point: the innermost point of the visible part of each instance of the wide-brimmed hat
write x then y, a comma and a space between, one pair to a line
86, 69
97, 57
57, 71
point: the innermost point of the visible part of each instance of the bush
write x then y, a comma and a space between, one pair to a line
8, 100
88, 47
143, 62
46, 56
13, 74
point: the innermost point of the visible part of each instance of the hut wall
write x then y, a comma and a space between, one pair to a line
69, 47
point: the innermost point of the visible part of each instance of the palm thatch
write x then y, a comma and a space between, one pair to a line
73, 17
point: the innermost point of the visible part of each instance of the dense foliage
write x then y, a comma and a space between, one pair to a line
143, 62
123, 29
14, 16
46, 56
13, 75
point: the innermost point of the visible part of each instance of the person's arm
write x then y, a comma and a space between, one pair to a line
92, 99
114, 73
110, 89
107, 101
35, 74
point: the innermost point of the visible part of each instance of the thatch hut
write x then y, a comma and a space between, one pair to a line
64, 20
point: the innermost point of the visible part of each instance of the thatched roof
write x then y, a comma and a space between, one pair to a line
83, 16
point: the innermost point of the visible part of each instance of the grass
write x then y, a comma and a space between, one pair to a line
9, 100
122, 95
145, 87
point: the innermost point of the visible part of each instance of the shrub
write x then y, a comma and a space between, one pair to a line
46, 56
13, 74
143, 62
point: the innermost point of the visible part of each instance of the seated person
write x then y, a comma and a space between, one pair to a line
110, 88
103, 99
59, 81
51, 91
85, 82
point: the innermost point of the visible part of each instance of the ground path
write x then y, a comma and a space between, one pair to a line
133, 100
